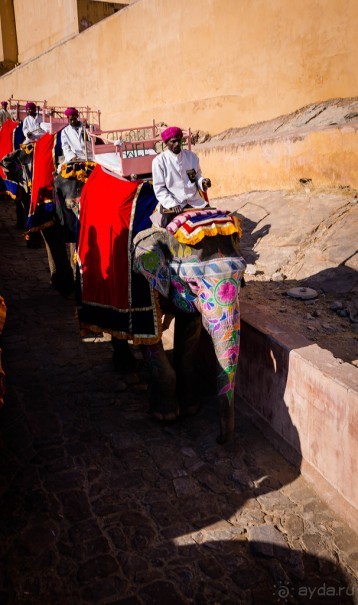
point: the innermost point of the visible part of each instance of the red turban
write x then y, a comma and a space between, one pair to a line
71, 111
171, 132
30, 105
3, 103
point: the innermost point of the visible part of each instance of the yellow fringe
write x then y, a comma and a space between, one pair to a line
209, 230
79, 174
237, 224
27, 147
13, 197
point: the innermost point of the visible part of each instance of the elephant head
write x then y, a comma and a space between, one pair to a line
205, 277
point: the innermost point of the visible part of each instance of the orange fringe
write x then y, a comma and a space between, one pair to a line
209, 230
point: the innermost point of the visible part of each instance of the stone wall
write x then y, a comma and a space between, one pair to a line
211, 64
40, 25
305, 400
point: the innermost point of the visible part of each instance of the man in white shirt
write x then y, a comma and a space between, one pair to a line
31, 126
74, 146
4, 114
177, 177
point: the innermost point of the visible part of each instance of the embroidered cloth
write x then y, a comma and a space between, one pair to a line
6, 141
41, 206
110, 297
191, 226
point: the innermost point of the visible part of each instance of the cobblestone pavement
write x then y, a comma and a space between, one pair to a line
101, 505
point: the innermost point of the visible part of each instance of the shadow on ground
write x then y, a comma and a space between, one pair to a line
101, 505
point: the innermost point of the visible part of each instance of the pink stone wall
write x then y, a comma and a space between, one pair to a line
307, 402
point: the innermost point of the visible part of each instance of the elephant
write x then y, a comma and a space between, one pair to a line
201, 283
58, 223
17, 166
130, 273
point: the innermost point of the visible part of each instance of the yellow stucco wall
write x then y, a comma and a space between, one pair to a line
42, 24
210, 64
329, 158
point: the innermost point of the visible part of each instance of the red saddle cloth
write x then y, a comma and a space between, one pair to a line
2, 373
42, 183
6, 141
113, 298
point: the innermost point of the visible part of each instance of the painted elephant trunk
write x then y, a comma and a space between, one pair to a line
226, 388
219, 306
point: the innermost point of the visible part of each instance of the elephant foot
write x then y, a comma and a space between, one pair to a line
124, 366
222, 439
227, 420
189, 410
34, 240
123, 359
63, 284
164, 413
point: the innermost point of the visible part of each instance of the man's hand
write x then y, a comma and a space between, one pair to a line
206, 183
174, 210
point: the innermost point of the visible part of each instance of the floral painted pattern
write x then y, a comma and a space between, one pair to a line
182, 296
226, 292
216, 285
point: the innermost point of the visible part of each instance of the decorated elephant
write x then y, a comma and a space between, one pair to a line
54, 208
130, 272
203, 278
17, 167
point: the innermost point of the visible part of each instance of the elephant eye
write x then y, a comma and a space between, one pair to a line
193, 284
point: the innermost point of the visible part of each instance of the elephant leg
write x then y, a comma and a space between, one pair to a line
227, 419
186, 340
71, 249
162, 398
34, 240
123, 358
60, 267
20, 214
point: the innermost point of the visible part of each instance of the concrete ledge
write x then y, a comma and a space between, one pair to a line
306, 402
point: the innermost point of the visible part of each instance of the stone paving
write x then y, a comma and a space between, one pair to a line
100, 505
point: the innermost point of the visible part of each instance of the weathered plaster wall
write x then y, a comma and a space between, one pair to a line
306, 401
328, 158
212, 64
41, 24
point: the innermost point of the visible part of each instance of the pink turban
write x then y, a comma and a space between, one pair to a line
171, 132
3, 103
71, 111
30, 105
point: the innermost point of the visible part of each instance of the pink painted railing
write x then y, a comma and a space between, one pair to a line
54, 116
134, 148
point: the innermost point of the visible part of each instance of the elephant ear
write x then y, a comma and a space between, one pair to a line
151, 258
